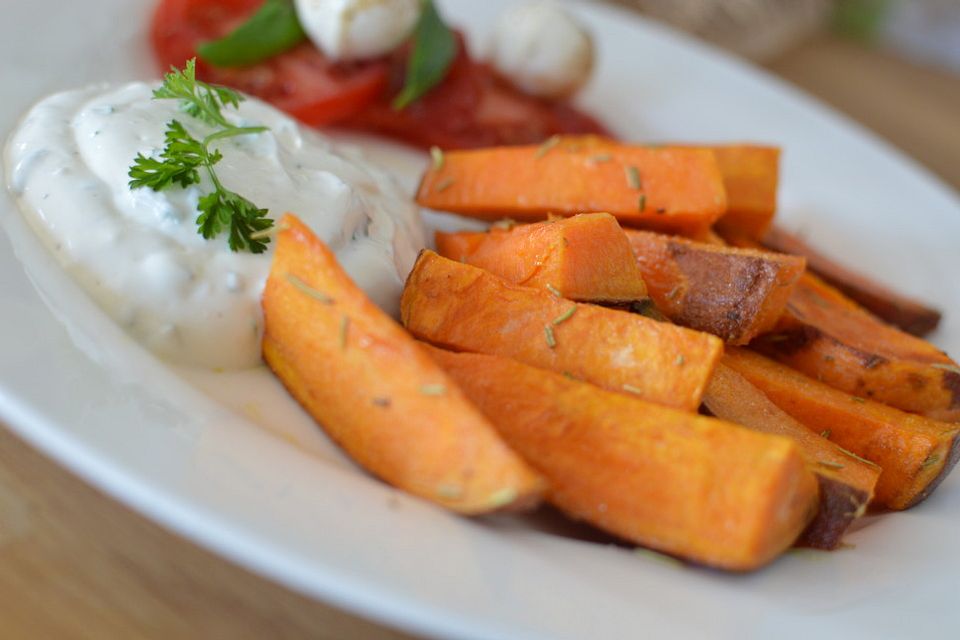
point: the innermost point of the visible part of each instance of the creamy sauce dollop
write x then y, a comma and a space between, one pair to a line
137, 252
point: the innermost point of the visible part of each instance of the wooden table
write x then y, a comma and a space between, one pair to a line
76, 564
915, 108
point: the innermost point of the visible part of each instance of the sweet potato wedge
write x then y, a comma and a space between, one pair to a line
661, 188
465, 308
908, 314
586, 258
829, 337
374, 390
847, 482
735, 294
915, 453
685, 484
750, 175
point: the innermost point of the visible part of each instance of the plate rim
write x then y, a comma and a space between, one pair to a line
364, 598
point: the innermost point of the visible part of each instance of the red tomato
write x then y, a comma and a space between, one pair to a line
303, 82
471, 108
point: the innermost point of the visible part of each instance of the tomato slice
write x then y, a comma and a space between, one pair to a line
303, 82
473, 107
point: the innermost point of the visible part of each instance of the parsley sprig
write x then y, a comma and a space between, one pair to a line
184, 158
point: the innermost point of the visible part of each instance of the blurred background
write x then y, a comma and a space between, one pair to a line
891, 65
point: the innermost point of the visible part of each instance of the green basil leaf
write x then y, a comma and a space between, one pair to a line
434, 49
273, 29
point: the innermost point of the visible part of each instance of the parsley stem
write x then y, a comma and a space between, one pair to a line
231, 132
208, 165
209, 161
213, 113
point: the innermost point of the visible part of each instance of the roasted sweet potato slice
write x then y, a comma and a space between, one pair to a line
750, 175
586, 258
374, 390
847, 481
829, 337
691, 486
735, 294
915, 453
661, 188
908, 314
465, 308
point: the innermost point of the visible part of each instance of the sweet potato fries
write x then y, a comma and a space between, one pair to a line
571, 357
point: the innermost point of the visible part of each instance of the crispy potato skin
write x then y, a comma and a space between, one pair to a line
840, 505
915, 453
847, 483
735, 294
464, 308
685, 484
586, 258
374, 390
828, 336
904, 312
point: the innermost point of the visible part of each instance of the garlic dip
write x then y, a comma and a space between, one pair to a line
137, 251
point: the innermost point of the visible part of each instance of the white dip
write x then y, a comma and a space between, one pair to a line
138, 253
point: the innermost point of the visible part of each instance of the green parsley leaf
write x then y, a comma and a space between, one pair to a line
434, 49
199, 99
184, 157
273, 29
224, 210
177, 163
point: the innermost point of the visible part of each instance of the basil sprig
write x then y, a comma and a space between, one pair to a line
434, 49
273, 29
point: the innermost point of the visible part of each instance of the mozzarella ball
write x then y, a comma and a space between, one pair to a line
357, 29
542, 49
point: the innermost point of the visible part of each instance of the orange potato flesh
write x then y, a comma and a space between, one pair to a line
689, 485
375, 392
914, 452
586, 258
908, 314
828, 336
847, 482
751, 174
735, 294
709, 236
660, 188
464, 308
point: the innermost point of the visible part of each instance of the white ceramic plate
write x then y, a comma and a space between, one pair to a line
230, 462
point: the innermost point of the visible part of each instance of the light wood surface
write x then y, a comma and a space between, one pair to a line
913, 107
76, 564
